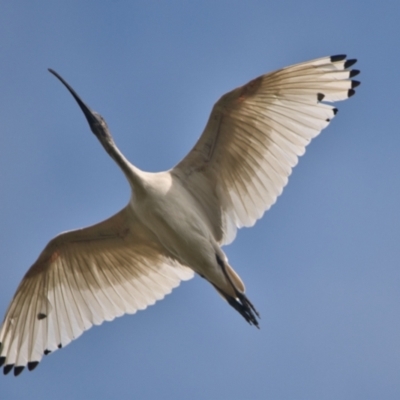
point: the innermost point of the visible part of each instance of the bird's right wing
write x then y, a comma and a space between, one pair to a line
81, 278
254, 137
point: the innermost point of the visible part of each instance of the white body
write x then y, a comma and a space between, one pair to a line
178, 221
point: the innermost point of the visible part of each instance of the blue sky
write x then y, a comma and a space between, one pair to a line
322, 266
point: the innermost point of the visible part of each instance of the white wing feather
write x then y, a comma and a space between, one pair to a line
83, 278
253, 139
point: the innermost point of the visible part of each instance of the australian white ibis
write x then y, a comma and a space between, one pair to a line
176, 221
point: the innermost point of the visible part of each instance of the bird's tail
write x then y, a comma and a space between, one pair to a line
236, 297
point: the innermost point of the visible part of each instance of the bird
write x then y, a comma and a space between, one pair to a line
176, 221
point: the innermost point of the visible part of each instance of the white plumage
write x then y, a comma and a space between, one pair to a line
176, 221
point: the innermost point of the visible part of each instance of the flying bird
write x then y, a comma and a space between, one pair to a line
176, 221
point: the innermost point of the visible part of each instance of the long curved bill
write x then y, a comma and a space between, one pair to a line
89, 114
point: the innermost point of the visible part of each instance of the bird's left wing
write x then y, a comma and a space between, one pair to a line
254, 137
81, 278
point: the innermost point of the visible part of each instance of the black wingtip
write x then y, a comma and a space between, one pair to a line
335, 111
46, 352
320, 96
18, 370
354, 84
354, 72
8, 368
349, 63
2, 361
60, 346
351, 92
338, 57
32, 365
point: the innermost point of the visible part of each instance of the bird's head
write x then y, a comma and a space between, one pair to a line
96, 122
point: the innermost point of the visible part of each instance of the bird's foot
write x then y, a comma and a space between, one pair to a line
245, 308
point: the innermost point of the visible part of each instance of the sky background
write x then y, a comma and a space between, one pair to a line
322, 266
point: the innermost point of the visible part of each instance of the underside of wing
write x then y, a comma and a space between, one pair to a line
254, 137
83, 278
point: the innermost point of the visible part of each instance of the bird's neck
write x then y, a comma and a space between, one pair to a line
132, 173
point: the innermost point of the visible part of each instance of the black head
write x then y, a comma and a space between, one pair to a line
96, 122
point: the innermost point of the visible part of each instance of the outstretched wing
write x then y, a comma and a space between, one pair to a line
254, 137
85, 277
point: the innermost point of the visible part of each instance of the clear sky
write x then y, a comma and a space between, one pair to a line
322, 266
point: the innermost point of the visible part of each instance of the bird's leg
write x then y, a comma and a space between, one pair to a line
241, 307
245, 300
241, 303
